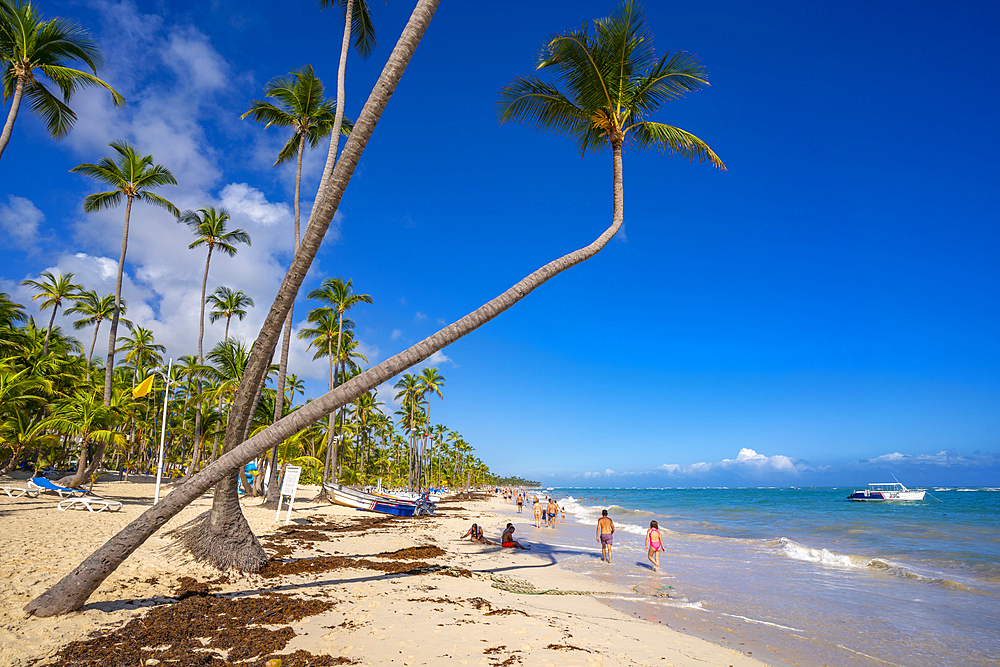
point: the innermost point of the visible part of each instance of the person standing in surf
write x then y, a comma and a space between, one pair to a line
655, 543
605, 529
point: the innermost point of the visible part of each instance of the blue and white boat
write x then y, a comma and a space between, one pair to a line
887, 491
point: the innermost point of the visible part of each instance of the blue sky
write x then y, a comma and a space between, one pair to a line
828, 307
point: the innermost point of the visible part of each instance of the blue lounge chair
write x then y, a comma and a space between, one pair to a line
43, 484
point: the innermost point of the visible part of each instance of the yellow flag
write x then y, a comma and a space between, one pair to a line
143, 387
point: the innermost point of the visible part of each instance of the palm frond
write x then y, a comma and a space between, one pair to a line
674, 141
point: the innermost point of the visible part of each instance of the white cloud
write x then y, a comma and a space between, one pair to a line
942, 458
20, 220
420, 317
747, 462
396, 334
439, 358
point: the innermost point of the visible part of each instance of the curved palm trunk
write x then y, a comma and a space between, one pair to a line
113, 336
8, 127
74, 589
279, 397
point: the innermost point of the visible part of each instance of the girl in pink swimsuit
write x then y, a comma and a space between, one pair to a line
655, 543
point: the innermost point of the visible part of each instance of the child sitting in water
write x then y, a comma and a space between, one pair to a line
655, 543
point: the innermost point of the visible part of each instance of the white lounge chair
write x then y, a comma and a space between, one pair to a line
43, 484
18, 491
91, 503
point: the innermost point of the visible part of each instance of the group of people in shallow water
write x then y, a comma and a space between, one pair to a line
548, 516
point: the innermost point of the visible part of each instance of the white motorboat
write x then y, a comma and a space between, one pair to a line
887, 491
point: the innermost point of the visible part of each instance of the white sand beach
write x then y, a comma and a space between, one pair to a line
461, 615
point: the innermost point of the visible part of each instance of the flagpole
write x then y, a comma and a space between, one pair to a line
163, 434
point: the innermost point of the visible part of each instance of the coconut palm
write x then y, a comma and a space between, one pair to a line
30, 46
52, 291
142, 352
340, 297
300, 106
431, 382
209, 228
10, 313
133, 176
95, 309
227, 303
84, 417
357, 24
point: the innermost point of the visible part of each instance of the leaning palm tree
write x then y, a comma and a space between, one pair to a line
209, 228
30, 45
95, 309
300, 105
132, 176
52, 291
228, 303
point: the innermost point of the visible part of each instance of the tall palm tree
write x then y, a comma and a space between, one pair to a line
302, 107
52, 291
30, 45
142, 352
357, 24
431, 382
325, 331
209, 228
95, 309
132, 176
340, 297
227, 303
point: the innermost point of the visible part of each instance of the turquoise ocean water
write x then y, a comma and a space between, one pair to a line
801, 576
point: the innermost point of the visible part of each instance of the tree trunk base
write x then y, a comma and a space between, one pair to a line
322, 495
221, 537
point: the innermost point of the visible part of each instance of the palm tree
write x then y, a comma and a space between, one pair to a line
209, 228
431, 382
301, 106
357, 24
227, 303
28, 44
142, 352
52, 291
82, 416
10, 313
95, 309
325, 331
340, 297
132, 176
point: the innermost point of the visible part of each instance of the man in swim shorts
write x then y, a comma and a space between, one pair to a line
507, 539
605, 529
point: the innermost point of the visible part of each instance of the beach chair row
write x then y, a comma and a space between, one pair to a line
74, 498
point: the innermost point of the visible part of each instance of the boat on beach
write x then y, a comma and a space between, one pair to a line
348, 497
886, 491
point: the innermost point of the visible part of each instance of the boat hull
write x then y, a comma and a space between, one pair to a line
348, 497
882, 492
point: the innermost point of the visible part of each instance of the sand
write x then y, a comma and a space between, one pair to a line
378, 610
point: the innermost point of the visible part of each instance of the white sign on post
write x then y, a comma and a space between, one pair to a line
289, 484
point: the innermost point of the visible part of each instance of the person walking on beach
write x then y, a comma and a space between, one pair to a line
507, 539
562, 512
655, 543
536, 507
553, 512
605, 529
520, 503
